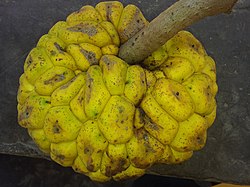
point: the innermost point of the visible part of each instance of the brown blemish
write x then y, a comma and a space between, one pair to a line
58, 47
200, 140
90, 56
25, 114
141, 115
108, 62
29, 61
60, 157
52, 53
56, 78
56, 128
153, 126
120, 109
119, 167
85, 28
108, 11
90, 165
88, 150
67, 84
135, 25
140, 163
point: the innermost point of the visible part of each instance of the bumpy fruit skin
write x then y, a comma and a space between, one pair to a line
93, 112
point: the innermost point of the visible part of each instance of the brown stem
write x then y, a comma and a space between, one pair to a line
177, 17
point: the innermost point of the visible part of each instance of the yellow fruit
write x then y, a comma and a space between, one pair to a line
191, 134
110, 11
159, 123
110, 50
56, 48
25, 89
64, 153
96, 93
157, 58
114, 160
64, 94
40, 139
91, 145
109, 27
131, 21
90, 110
135, 85
173, 98
36, 64
116, 120
178, 69
84, 55
61, 125
33, 111
143, 149
114, 73
84, 32
86, 13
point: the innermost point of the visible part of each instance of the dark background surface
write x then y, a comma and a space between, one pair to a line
226, 38
31, 172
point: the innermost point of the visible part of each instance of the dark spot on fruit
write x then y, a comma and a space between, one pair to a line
127, 82
29, 61
59, 59
59, 48
52, 53
141, 115
152, 126
108, 11
90, 165
200, 140
118, 166
145, 137
56, 127
121, 109
140, 163
60, 157
26, 113
86, 150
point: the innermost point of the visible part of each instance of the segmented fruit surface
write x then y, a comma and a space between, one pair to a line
90, 110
